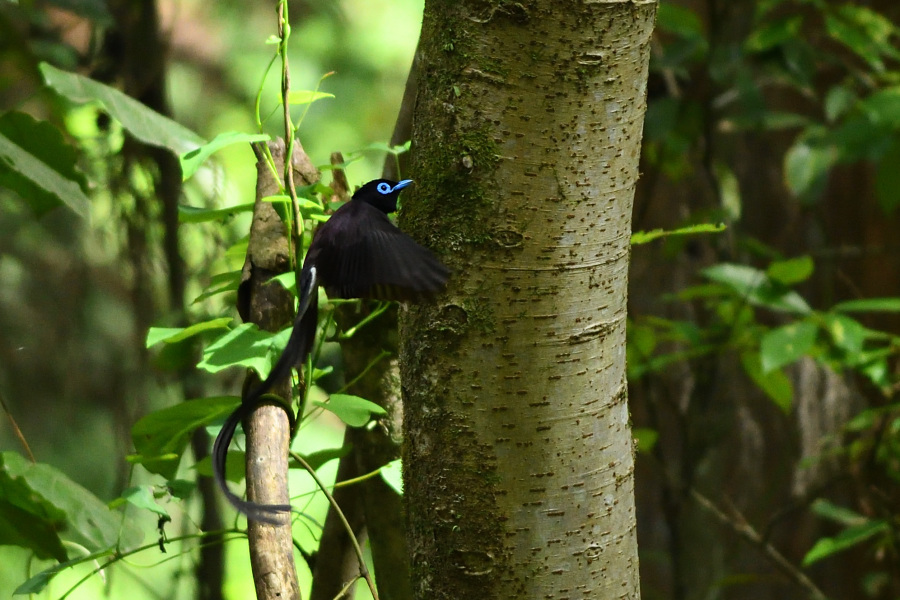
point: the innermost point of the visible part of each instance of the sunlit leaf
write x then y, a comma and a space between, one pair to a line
245, 346
235, 466
392, 474
45, 501
883, 107
142, 497
191, 160
161, 437
37, 164
171, 335
869, 305
776, 385
806, 167
789, 272
756, 287
319, 458
729, 191
785, 345
221, 283
352, 410
646, 438
643, 237
850, 537
838, 101
37, 583
142, 122
774, 33
866, 32
847, 334
837, 514
297, 97
196, 214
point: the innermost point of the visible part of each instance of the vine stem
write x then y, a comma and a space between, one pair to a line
284, 32
363, 569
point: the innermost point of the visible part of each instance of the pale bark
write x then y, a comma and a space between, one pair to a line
268, 429
519, 457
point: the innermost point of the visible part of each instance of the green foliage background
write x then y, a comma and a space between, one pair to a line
769, 199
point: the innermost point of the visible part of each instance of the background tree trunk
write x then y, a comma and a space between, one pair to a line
519, 457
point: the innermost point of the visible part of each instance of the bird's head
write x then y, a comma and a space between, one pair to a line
382, 193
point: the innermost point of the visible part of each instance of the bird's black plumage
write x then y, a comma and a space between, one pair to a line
357, 253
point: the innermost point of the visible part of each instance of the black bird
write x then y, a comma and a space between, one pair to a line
357, 253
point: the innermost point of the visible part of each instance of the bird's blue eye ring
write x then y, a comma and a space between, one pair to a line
383, 188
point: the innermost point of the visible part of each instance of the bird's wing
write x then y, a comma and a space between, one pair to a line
377, 260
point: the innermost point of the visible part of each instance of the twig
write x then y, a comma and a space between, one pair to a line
369, 367
363, 569
16, 429
346, 588
740, 526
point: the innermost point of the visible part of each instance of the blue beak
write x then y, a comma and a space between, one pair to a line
401, 185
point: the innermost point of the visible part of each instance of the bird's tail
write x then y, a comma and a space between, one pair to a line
298, 348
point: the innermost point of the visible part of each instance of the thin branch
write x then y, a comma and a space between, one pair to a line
363, 569
384, 354
346, 588
739, 525
16, 429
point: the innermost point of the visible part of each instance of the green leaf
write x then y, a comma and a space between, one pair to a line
286, 280
38, 165
775, 384
196, 214
774, 34
181, 488
869, 305
37, 583
245, 346
883, 107
643, 237
641, 339
382, 147
729, 191
221, 283
36, 532
143, 123
806, 167
392, 474
646, 438
298, 97
848, 334
161, 437
38, 502
142, 497
782, 346
838, 101
352, 410
755, 286
319, 458
789, 272
837, 514
887, 178
850, 537
864, 31
171, 335
235, 466
191, 160
679, 20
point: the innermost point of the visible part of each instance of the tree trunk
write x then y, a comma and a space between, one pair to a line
519, 457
